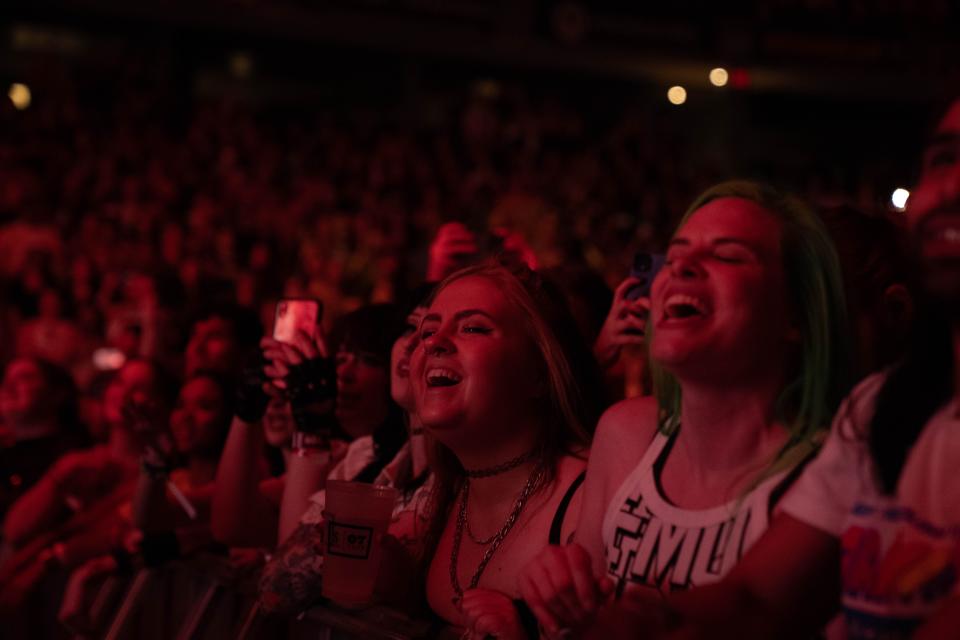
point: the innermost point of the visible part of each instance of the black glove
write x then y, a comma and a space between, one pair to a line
252, 401
311, 388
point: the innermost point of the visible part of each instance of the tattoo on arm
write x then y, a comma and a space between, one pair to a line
291, 580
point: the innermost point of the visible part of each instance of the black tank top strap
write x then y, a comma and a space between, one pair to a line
788, 480
556, 527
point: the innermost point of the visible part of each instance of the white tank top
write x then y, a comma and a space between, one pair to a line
649, 541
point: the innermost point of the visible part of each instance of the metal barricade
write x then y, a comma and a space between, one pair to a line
207, 598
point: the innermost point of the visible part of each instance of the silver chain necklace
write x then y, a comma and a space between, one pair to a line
536, 477
476, 539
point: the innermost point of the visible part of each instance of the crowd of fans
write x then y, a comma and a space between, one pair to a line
476, 325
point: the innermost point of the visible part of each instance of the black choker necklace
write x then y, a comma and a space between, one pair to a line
503, 467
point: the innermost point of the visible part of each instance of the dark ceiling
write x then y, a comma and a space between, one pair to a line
891, 49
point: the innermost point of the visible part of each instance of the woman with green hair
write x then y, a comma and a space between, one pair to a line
745, 341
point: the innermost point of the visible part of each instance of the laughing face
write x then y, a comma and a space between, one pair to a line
403, 347
721, 297
476, 371
934, 210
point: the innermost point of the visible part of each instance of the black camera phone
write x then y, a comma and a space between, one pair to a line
645, 267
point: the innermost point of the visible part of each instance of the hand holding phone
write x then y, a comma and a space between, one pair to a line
645, 268
296, 337
301, 365
626, 321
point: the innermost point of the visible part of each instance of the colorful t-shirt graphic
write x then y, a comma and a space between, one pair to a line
901, 553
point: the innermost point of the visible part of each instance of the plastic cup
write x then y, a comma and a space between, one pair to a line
357, 516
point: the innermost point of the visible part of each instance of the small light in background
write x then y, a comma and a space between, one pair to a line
719, 77
487, 89
677, 95
899, 199
241, 64
19, 95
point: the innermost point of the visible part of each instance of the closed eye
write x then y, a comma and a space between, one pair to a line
729, 258
476, 329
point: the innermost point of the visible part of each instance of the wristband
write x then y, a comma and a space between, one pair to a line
310, 443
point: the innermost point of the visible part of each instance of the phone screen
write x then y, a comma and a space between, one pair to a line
296, 314
645, 267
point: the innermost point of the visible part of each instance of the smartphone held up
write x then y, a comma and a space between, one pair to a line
296, 314
645, 268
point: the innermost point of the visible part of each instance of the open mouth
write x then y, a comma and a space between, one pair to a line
682, 306
441, 377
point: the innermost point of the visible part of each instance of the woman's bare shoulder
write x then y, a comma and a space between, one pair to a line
629, 424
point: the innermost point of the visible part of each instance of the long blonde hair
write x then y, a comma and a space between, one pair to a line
811, 269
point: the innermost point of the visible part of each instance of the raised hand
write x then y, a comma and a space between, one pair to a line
309, 376
452, 248
625, 324
252, 398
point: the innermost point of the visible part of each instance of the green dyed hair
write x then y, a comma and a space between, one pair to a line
811, 270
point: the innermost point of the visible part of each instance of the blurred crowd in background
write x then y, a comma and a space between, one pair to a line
149, 226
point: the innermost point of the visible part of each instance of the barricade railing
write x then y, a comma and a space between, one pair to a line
207, 598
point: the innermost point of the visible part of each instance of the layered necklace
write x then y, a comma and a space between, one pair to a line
493, 542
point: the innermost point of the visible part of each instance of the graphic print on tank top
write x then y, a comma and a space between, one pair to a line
651, 542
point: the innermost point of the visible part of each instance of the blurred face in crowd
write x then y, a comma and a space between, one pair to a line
212, 347
403, 348
22, 393
933, 211
476, 371
135, 380
199, 418
278, 423
721, 298
363, 391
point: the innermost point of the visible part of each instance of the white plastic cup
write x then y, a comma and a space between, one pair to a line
357, 515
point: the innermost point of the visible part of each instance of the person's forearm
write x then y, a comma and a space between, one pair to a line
306, 474
291, 580
239, 509
35, 511
91, 543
